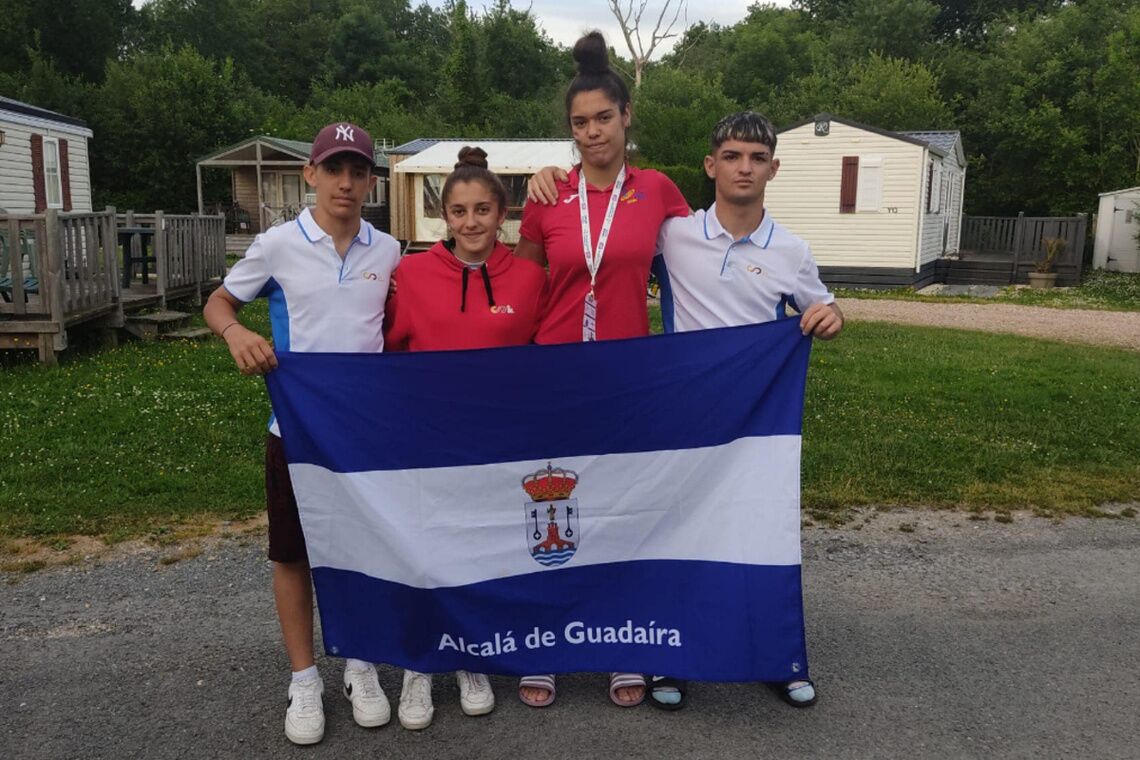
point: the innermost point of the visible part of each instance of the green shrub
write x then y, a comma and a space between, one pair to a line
691, 180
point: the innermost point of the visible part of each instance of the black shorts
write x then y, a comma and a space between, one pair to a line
286, 540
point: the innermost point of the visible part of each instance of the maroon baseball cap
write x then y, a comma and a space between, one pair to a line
342, 137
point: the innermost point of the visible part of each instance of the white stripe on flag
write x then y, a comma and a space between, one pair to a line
450, 526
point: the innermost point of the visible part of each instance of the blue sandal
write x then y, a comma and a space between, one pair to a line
801, 695
666, 686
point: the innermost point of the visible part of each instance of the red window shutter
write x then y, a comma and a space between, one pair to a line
38, 173
64, 175
848, 184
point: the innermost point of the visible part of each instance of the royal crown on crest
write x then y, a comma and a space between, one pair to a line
550, 484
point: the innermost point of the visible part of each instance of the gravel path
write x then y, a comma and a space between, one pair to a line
931, 635
1106, 328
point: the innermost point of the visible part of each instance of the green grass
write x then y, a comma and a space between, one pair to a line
1110, 291
134, 440
120, 442
914, 416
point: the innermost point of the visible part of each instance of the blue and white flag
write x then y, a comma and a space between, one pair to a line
626, 505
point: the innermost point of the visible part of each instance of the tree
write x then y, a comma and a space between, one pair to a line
154, 116
895, 28
895, 94
675, 112
526, 61
770, 48
373, 41
77, 36
889, 93
464, 81
629, 19
381, 108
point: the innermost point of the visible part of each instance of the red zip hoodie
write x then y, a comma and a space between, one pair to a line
443, 304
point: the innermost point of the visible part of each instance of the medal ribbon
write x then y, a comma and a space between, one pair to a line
594, 258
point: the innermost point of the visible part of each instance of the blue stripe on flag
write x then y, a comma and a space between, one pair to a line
363, 412
750, 629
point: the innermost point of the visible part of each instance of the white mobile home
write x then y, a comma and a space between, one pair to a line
419, 168
43, 160
879, 208
1117, 223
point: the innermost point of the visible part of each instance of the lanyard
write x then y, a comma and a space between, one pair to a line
594, 258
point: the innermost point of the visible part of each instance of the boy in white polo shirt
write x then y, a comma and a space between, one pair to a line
326, 277
733, 264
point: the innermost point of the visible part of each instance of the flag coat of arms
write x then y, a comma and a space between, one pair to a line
626, 505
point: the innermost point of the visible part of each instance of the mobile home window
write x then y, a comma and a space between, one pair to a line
433, 203
52, 183
515, 185
869, 196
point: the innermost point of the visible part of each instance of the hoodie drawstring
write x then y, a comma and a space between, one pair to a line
486, 286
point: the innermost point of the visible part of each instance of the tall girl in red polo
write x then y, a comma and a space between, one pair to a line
465, 292
599, 240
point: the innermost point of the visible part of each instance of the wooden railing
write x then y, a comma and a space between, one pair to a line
64, 267
1018, 244
21, 267
61, 265
87, 250
1021, 236
191, 250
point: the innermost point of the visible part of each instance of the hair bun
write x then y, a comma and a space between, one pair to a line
469, 156
591, 55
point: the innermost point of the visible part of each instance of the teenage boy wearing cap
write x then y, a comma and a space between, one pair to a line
326, 277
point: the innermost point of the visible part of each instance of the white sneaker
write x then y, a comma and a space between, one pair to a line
415, 701
369, 704
305, 716
475, 694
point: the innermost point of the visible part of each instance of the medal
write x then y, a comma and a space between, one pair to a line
594, 257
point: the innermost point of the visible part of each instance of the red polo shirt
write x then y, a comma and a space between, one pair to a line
432, 311
648, 197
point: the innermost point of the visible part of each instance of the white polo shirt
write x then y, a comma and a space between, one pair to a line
710, 280
317, 300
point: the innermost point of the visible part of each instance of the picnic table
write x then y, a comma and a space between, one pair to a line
126, 237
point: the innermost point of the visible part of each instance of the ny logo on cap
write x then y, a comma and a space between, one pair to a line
344, 132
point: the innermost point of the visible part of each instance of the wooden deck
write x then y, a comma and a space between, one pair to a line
59, 271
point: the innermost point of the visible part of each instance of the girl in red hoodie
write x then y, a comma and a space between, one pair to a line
468, 291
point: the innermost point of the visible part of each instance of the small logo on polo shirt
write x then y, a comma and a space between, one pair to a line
504, 309
369, 275
753, 269
345, 132
570, 198
632, 195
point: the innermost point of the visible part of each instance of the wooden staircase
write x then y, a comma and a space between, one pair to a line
165, 325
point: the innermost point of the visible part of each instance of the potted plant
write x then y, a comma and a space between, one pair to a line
1045, 276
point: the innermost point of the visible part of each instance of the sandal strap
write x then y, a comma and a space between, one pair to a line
537, 682
625, 680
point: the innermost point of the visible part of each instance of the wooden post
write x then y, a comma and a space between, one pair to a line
261, 223
199, 256
1079, 243
52, 288
16, 266
160, 254
1018, 235
198, 172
